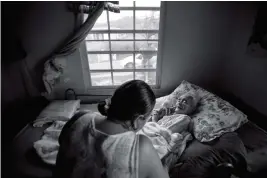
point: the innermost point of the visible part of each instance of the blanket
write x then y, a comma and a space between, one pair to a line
47, 147
169, 137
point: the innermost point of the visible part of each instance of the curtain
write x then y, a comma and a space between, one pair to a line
53, 68
79, 35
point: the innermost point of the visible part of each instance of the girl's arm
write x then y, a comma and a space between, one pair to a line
150, 165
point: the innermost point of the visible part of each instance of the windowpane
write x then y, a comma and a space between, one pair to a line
146, 61
146, 45
154, 3
97, 46
145, 58
126, 3
147, 20
101, 79
99, 61
122, 20
122, 45
121, 77
97, 36
122, 61
101, 22
146, 36
121, 36
148, 77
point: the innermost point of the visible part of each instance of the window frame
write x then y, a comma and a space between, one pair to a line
109, 89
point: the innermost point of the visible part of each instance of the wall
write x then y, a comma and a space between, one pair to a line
243, 75
195, 36
31, 33
72, 77
31, 30
43, 27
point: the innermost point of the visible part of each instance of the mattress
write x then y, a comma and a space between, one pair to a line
26, 163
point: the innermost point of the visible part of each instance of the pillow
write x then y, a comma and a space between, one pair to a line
159, 102
57, 110
213, 116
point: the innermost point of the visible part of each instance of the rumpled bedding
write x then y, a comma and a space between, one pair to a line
165, 141
47, 147
169, 141
169, 137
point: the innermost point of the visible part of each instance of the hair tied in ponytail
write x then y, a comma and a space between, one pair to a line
107, 104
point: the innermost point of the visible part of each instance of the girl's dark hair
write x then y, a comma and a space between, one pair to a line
129, 100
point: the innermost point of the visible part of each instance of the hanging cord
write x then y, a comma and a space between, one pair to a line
70, 93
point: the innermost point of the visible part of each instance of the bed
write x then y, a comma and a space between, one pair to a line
26, 163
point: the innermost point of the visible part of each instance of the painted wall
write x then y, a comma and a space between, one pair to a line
43, 26
243, 75
205, 43
30, 34
195, 36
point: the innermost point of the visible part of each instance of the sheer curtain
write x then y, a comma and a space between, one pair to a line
53, 68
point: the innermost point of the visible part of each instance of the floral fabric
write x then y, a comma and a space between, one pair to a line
213, 116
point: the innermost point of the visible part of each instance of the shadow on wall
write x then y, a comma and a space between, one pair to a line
245, 75
194, 42
257, 46
30, 31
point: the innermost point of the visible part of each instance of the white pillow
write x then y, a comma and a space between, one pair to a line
57, 110
213, 116
160, 101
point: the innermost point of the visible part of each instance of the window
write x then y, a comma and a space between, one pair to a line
124, 46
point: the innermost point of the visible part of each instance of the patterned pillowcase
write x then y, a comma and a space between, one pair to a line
213, 116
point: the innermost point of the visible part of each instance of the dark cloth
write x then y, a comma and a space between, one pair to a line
200, 159
255, 141
79, 153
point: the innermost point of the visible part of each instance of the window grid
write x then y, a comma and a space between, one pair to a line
121, 52
134, 38
123, 70
134, 31
124, 31
110, 56
126, 40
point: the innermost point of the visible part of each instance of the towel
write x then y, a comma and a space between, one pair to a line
169, 137
47, 147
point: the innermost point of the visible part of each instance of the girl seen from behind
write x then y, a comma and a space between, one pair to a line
95, 146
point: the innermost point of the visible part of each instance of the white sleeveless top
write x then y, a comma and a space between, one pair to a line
116, 156
121, 154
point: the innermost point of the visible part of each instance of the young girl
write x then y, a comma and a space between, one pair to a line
95, 146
